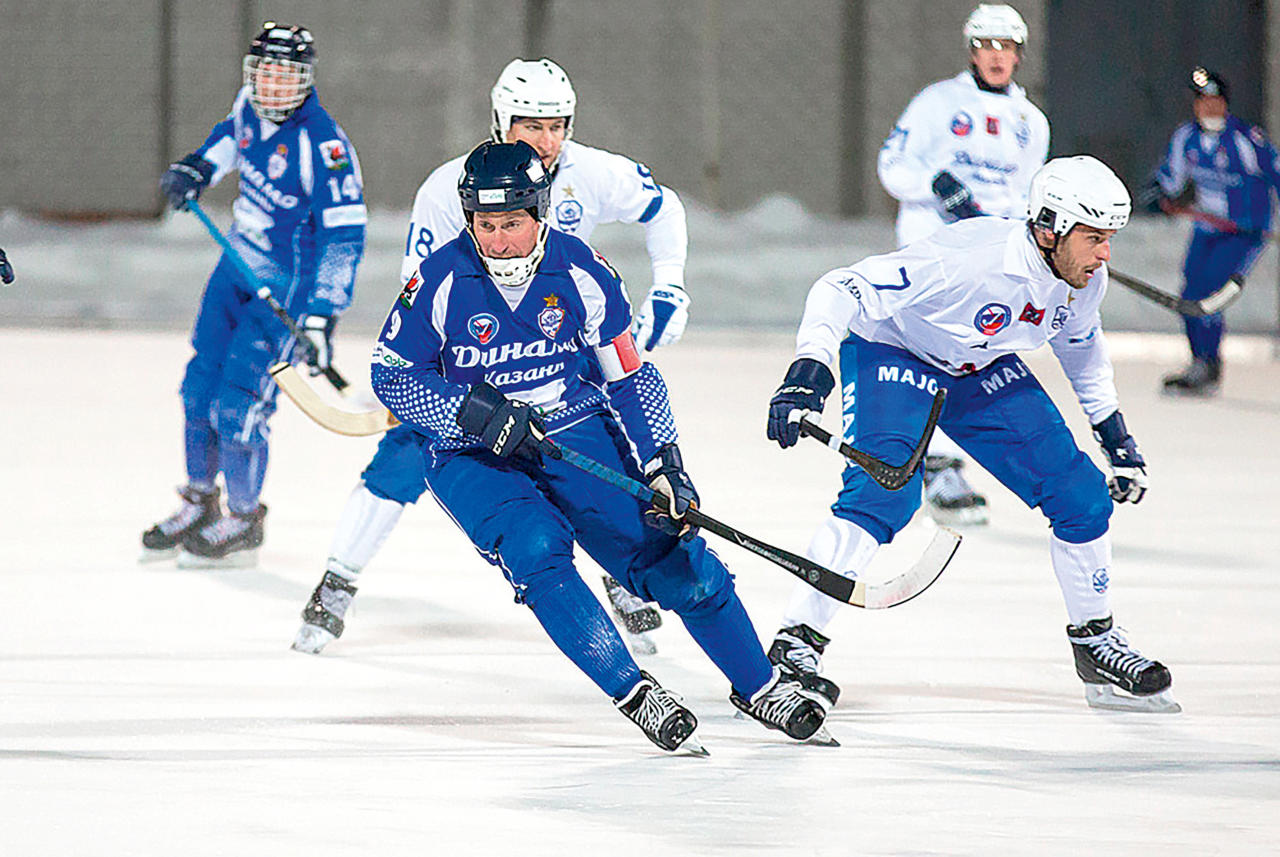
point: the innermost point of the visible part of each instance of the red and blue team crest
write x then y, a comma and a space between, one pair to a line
278, 162
992, 319
551, 317
246, 137
483, 327
961, 124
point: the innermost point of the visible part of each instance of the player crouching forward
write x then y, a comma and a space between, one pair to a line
952, 311
513, 330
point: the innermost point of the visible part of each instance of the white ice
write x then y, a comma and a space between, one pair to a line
150, 711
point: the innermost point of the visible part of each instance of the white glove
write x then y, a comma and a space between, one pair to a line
318, 329
662, 317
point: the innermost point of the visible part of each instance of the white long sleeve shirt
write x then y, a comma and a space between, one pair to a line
590, 186
972, 292
991, 142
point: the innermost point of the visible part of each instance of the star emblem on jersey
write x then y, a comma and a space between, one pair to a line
278, 162
482, 326
961, 124
992, 319
551, 317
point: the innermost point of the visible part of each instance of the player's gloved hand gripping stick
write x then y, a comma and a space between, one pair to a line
263, 291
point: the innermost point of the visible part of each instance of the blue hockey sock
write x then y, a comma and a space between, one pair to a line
578, 625
726, 634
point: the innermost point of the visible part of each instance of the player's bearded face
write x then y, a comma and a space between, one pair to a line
996, 60
1081, 252
545, 135
505, 234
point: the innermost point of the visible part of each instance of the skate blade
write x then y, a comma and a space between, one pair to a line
822, 738
691, 746
1104, 696
310, 640
642, 644
239, 559
149, 555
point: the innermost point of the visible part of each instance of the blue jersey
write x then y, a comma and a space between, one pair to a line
1234, 172
560, 343
300, 217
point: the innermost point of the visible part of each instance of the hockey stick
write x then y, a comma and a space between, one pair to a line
1209, 305
1222, 224
350, 423
886, 475
263, 291
872, 596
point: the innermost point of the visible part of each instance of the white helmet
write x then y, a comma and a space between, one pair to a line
995, 21
1079, 189
531, 89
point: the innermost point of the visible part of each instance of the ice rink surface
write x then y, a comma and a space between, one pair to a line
146, 710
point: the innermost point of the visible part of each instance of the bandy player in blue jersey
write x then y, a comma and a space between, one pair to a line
300, 226
513, 330
533, 102
953, 311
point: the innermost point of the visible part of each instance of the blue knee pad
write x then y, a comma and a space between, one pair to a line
397, 471
535, 559
1078, 503
688, 580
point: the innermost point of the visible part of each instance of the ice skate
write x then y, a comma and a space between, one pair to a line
662, 716
230, 542
797, 651
635, 617
949, 497
198, 510
786, 705
1201, 378
1117, 676
322, 618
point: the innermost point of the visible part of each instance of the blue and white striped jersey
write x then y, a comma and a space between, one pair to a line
1234, 172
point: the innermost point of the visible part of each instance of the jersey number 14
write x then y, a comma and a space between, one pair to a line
349, 188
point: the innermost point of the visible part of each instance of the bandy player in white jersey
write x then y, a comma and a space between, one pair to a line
533, 102
964, 147
953, 311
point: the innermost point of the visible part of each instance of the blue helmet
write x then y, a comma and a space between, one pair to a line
505, 177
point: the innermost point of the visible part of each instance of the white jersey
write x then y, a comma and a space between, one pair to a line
991, 142
590, 186
973, 291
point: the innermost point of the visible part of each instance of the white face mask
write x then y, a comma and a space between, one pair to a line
517, 270
1213, 124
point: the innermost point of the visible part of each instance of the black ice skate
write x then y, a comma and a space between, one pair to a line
662, 716
948, 496
786, 705
797, 651
1201, 378
322, 617
231, 542
1105, 661
198, 510
636, 617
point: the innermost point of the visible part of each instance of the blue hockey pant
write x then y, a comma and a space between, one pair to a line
397, 471
1000, 416
525, 520
227, 395
1212, 258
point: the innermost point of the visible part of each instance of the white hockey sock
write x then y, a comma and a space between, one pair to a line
1084, 573
366, 522
841, 546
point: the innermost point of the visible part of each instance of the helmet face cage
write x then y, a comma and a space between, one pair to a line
279, 70
531, 90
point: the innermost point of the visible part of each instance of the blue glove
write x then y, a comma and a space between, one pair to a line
318, 329
662, 317
803, 391
1128, 480
186, 180
666, 475
6, 270
506, 427
956, 199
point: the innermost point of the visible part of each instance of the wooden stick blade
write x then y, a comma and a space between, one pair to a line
325, 415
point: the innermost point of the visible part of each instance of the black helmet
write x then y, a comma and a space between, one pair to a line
288, 53
505, 177
1205, 82
285, 42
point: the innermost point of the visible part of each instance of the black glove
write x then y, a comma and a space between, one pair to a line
666, 475
1152, 198
806, 387
1128, 480
186, 180
318, 329
6, 270
956, 199
507, 427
